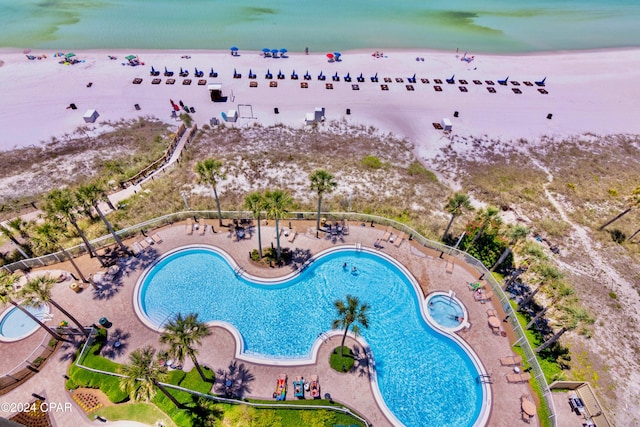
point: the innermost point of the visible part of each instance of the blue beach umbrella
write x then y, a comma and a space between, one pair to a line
274, 52
283, 50
233, 48
266, 49
337, 54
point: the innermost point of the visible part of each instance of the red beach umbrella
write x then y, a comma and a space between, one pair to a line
330, 55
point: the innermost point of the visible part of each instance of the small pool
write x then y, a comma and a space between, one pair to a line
16, 325
447, 311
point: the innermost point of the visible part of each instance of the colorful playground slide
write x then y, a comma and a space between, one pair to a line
281, 387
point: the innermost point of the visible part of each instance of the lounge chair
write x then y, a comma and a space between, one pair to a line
387, 234
519, 378
541, 82
189, 227
475, 286
511, 360
292, 235
202, 229
156, 238
281, 387
492, 312
144, 244
136, 248
298, 388
314, 387
399, 239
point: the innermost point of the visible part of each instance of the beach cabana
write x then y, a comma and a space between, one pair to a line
90, 116
215, 90
446, 124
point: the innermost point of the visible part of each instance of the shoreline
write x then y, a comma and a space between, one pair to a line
588, 92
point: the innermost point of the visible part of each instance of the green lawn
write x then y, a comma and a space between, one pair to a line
145, 413
342, 363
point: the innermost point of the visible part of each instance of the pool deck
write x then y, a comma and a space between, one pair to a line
218, 350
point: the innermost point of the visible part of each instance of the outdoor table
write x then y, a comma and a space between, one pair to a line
528, 407
494, 322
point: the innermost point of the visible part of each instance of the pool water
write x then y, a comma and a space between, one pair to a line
15, 324
445, 311
423, 375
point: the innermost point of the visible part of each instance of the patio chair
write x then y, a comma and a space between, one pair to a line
292, 235
387, 233
189, 227
510, 360
518, 378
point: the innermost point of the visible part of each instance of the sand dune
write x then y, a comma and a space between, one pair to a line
594, 91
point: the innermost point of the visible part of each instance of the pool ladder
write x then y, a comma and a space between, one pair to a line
484, 379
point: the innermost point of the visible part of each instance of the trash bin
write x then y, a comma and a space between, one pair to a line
276, 111
456, 114
137, 107
103, 321
348, 111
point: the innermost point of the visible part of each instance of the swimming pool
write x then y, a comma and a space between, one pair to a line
447, 311
421, 374
16, 325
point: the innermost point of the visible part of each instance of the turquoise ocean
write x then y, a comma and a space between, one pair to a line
498, 26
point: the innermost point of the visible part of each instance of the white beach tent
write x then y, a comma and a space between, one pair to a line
446, 124
90, 116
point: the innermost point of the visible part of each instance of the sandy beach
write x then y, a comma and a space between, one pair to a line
591, 91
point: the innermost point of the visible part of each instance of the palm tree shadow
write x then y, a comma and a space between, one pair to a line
235, 381
107, 289
299, 257
361, 361
69, 348
116, 344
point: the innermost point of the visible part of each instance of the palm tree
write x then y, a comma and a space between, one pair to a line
210, 172
634, 200
515, 234
455, 206
24, 250
7, 290
38, 291
182, 334
143, 374
46, 238
255, 203
352, 314
87, 196
321, 182
488, 218
60, 205
278, 203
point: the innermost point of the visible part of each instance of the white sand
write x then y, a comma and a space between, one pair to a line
594, 91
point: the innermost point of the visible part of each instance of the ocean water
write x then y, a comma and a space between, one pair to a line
507, 26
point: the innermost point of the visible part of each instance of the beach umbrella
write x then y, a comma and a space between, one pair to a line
130, 57
235, 72
274, 52
26, 51
360, 77
283, 50
337, 54
234, 49
250, 72
70, 55
265, 50
330, 55
414, 76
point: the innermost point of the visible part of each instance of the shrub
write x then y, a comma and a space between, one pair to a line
342, 363
371, 162
416, 169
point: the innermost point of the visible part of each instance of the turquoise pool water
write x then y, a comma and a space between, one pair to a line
14, 324
446, 311
329, 25
423, 375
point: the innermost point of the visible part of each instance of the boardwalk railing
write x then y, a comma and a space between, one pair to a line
450, 252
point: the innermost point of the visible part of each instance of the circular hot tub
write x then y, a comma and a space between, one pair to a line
446, 311
16, 325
